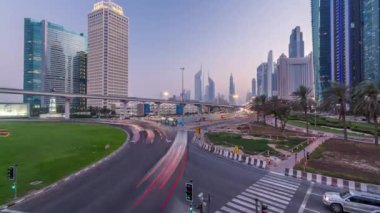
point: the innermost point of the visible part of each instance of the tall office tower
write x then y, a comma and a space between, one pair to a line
274, 80
80, 81
49, 53
262, 81
211, 90
356, 41
338, 44
324, 35
315, 40
253, 89
371, 41
270, 70
232, 91
292, 73
198, 86
107, 52
296, 44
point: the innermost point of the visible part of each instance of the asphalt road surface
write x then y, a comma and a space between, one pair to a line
150, 173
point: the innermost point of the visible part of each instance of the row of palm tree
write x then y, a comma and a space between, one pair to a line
364, 99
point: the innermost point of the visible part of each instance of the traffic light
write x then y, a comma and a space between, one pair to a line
189, 192
307, 155
13, 186
11, 173
191, 208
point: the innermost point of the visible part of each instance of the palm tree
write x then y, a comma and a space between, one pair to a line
274, 104
337, 95
303, 100
366, 99
259, 105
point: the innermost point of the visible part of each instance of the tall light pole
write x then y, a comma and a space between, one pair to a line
182, 69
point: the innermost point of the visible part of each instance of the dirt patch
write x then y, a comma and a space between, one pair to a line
267, 130
350, 160
4, 133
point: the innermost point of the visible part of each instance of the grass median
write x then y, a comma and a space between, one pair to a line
47, 151
347, 160
302, 124
252, 146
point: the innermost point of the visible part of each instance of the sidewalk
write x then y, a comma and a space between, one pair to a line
295, 158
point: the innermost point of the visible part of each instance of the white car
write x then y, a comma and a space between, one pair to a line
352, 201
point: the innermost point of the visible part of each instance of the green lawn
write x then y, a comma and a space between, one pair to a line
251, 146
48, 151
323, 129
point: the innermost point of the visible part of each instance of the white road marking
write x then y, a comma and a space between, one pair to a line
271, 190
224, 208
315, 194
270, 193
243, 209
11, 211
311, 210
279, 184
303, 205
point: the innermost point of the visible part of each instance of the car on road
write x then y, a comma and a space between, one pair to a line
352, 201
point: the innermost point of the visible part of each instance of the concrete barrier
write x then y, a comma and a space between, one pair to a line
332, 181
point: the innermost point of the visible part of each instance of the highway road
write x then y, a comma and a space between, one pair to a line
149, 175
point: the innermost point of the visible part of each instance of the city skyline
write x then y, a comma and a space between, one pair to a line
147, 61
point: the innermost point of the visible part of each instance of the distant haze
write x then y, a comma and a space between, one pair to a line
225, 36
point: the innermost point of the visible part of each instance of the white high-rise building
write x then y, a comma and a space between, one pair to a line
198, 86
107, 52
292, 73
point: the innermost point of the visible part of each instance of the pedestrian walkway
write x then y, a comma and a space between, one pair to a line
291, 161
271, 190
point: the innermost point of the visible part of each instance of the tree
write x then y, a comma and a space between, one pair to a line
283, 112
261, 106
274, 106
366, 99
337, 95
303, 101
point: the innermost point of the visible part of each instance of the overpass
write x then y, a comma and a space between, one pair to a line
69, 96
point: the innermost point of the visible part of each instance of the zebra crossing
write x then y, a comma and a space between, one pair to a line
271, 190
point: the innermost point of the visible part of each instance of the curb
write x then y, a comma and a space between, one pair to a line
331, 181
67, 178
247, 159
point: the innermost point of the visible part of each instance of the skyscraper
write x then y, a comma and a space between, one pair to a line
262, 81
80, 80
49, 55
296, 44
292, 73
338, 44
315, 40
371, 40
270, 70
198, 86
107, 52
253, 89
232, 91
274, 80
211, 90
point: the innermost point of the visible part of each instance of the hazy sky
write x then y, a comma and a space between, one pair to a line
225, 36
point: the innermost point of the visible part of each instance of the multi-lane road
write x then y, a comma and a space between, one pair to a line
150, 172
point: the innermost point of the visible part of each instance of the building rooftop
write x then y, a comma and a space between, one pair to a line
107, 4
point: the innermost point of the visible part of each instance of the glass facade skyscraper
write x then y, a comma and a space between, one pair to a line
315, 39
49, 53
296, 44
371, 40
